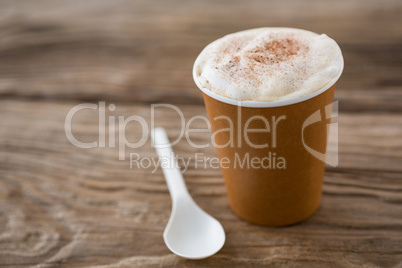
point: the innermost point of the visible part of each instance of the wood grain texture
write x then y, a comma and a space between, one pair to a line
62, 206
135, 51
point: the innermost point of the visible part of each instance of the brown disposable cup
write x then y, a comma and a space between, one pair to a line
286, 186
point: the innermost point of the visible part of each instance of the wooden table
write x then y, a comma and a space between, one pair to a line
63, 206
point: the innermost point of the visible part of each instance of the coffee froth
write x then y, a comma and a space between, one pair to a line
269, 64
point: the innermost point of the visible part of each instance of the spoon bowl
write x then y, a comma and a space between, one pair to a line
191, 232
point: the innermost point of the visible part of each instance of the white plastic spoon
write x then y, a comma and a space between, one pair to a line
190, 233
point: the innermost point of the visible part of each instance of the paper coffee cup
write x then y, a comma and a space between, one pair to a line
271, 176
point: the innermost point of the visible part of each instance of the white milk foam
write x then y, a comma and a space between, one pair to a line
268, 64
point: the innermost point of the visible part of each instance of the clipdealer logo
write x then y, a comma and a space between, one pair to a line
330, 111
112, 124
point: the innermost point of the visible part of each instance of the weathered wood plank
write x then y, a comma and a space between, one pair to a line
63, 206
138, 52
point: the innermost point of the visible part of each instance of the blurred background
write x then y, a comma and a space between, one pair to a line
142, 51
62, 206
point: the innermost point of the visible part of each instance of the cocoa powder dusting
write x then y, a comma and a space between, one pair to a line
277, 51
268, 52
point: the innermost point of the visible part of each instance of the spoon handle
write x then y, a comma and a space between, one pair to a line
170, 168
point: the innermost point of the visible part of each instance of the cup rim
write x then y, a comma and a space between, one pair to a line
263, 104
